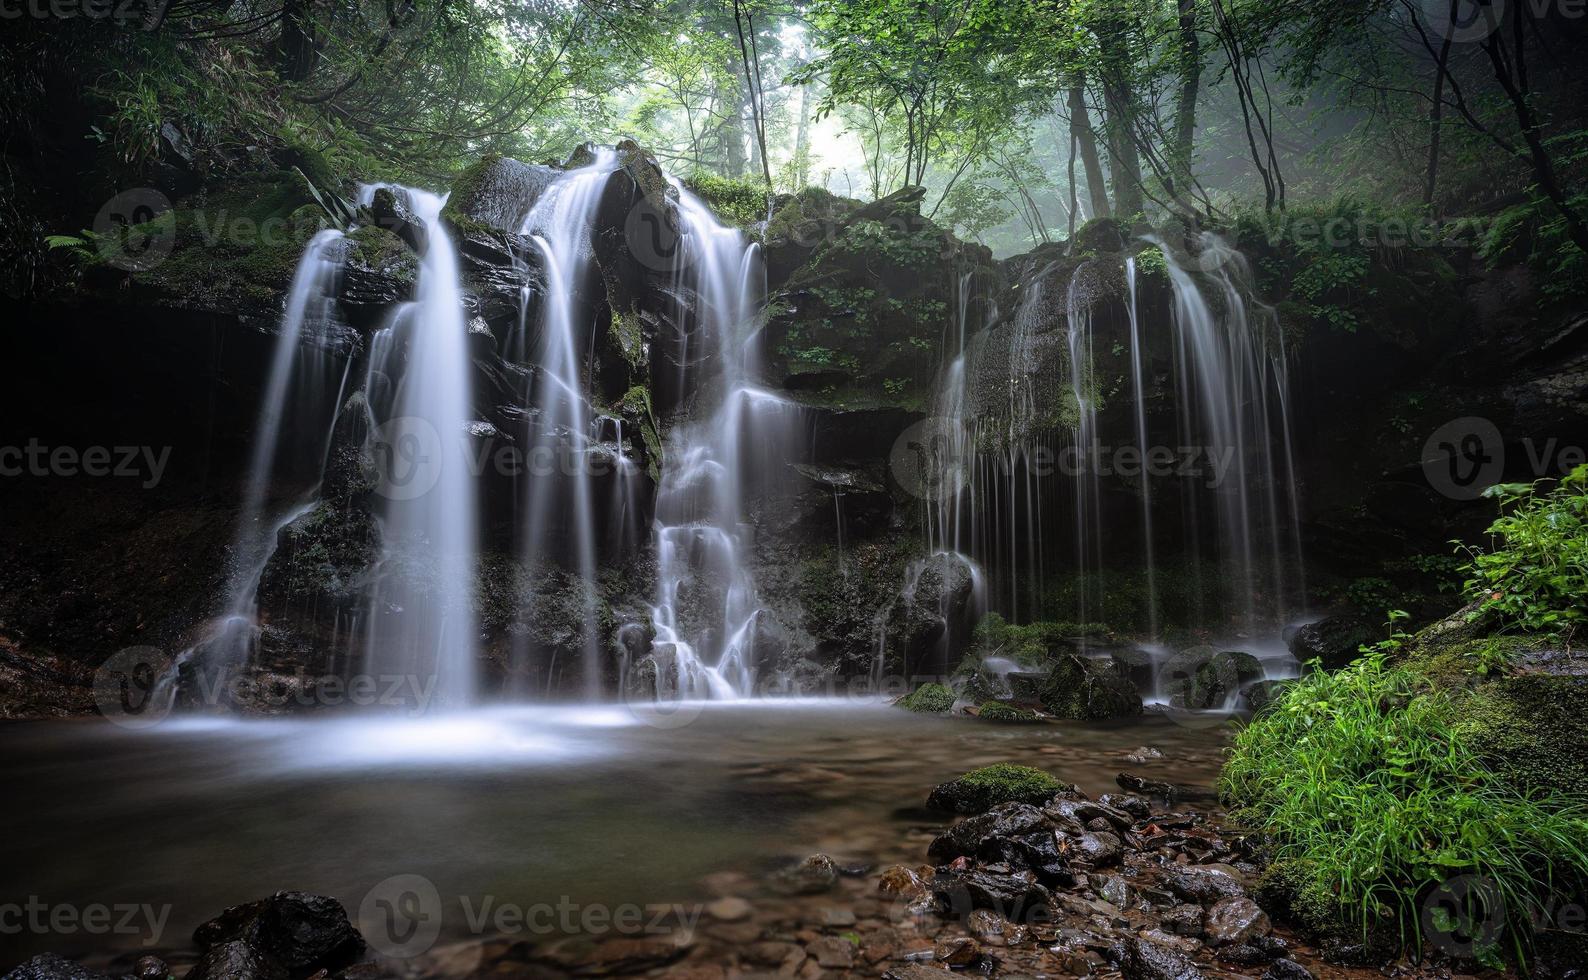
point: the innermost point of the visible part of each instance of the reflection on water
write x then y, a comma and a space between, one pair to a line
523, 805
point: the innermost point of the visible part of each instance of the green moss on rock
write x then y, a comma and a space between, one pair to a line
982, 789
1000, 711
1089, 689
928, 699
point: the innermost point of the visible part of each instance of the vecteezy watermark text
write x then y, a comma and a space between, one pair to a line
402, 917
146, 463
43, 918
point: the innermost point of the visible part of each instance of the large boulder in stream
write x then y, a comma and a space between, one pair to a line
1089, 689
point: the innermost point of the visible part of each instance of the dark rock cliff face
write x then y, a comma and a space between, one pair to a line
866, 304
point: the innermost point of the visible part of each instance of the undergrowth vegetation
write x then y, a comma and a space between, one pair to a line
1374, 800
1535, 578
1388, 787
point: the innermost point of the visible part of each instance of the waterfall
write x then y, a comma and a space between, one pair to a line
1088, 497
738, 440
561, 224
294, 401
1232, 380
1138, 388
422, 621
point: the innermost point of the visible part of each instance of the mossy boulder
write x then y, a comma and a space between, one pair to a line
928, 699
1099, 235
1531, 729
1211, 680
859, 322
496, 192
1005, 713
1089, 689
230, 248
379, 269
1522, 698
982, 789
322, 561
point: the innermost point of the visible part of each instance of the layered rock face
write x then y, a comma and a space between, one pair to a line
870, 310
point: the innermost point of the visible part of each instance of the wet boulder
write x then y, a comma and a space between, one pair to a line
1216, 680
392, 213
982, 789
1236, 920
236, 960
497, 192
1205, 884
1089, 689
974, 835
50, 966
322, 560
1335, 641
379, 269
1139, 959
298, 932
1016, 895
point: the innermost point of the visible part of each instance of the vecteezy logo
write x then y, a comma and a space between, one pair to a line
1463, 21
127, 687
401, 916
1464, 457
408, 457
1463, 916
125, 233
654, 239
931, 459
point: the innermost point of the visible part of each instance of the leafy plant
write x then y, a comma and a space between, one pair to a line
1535, 575
1373, 800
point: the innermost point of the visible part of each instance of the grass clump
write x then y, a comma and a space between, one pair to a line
982, 789
928, 699
1373, 800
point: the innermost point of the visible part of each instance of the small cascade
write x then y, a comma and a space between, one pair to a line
1083, 433
1233, 386
1114, 369
559, 497
421, 621
737, 442
1138, 387
294, 403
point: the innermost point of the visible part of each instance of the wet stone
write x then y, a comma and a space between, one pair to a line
1236, 920
832, 952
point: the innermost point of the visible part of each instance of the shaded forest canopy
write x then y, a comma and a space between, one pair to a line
1021, 119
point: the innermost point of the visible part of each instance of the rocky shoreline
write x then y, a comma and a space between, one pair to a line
1032, 881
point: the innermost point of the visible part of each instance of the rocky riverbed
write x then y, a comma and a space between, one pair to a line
1011, 871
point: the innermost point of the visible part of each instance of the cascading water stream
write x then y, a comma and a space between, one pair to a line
1233, 378
294, 389
704, 619
561, 224
422, 623
1139, 389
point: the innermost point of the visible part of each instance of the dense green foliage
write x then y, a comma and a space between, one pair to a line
1535, 578
1373, 797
